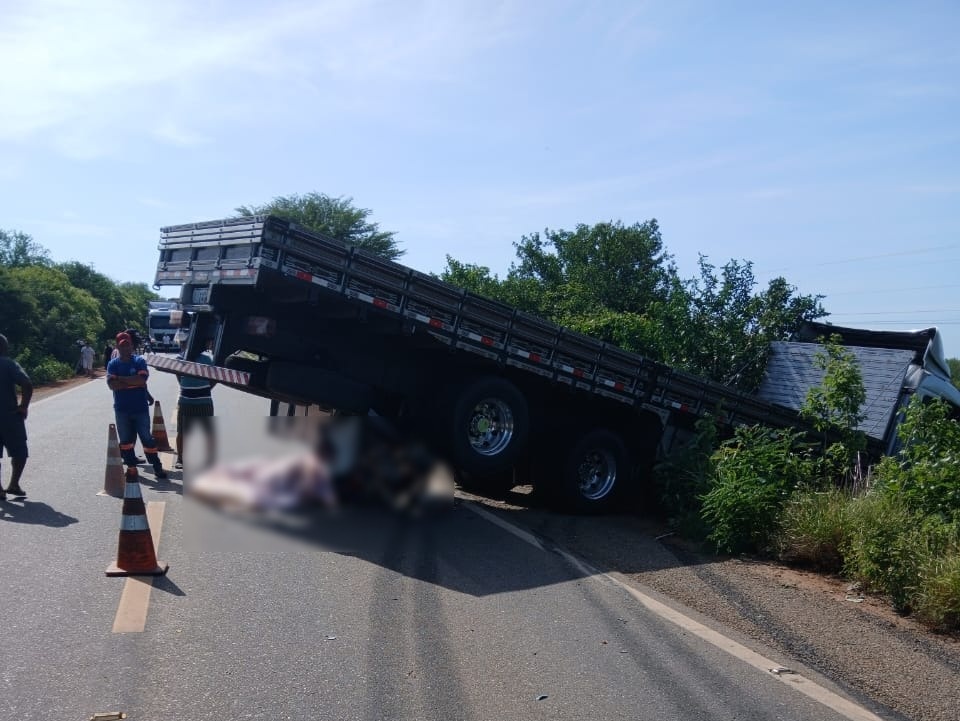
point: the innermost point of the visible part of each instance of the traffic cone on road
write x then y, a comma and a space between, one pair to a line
136, 555
113, 476
159, 429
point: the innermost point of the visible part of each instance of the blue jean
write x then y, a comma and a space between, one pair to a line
129, 427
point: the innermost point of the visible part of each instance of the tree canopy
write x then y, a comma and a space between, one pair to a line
618, 283
47, 307
336, 217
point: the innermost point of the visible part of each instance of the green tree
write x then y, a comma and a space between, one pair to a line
17, 249
835, 407
619, 268
137, 296
64, 314
954, 364
118, 309
336, 217
730, 327
617, 283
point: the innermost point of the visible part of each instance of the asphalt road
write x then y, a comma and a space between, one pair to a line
373, 617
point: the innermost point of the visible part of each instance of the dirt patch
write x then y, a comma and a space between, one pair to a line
51, 389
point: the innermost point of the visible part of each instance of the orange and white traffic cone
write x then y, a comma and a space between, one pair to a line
136, 555
159, 429
113, 476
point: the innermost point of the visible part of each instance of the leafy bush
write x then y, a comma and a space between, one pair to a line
755, 474
927, 473
48, 370
684, 477
814, 529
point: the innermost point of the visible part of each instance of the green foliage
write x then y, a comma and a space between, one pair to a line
47, 370
607, 265
936, 601
927, 472
47, 308
756, 472
730, 327
336, 217
119, 309
65, 314
684, 477
885, 547
954, 365
17, 249
834, 408
814, 529
879, 541
618, 284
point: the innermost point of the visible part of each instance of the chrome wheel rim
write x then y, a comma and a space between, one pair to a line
490, 429
597, 474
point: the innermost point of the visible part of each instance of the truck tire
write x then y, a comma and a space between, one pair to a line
592, 472
316, 385
486, 427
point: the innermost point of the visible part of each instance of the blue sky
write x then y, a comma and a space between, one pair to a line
821, 141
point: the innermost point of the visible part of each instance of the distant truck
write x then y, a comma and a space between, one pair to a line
162, 323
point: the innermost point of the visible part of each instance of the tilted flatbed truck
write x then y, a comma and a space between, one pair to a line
302, 318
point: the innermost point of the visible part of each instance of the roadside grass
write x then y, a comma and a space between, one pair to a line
885, 548
877, 540
937, 599
814, 528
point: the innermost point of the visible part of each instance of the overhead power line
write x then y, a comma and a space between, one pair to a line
874, 291
899, 312
861, 258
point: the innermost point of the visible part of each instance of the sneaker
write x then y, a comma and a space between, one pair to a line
159, 473
178, 465
16, 492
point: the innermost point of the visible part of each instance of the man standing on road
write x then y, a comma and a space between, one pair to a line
127, 378
86, 359
13, 416
195, 404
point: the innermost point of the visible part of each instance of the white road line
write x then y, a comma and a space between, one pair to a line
809, 688
135, 599
505, 525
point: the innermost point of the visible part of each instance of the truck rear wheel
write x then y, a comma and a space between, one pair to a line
488, 426
593, 472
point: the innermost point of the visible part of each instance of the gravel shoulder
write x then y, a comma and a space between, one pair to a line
855, 641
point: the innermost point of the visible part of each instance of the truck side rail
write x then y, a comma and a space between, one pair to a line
240, 250
228, 376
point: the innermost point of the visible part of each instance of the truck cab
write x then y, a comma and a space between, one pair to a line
162, 326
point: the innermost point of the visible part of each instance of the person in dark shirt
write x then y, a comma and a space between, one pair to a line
195, 403
13, 416
127, 377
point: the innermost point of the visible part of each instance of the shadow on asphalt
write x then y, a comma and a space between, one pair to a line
451, 546
173, 483
165, 584
33, 512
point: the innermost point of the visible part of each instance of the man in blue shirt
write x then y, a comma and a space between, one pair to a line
127, 377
